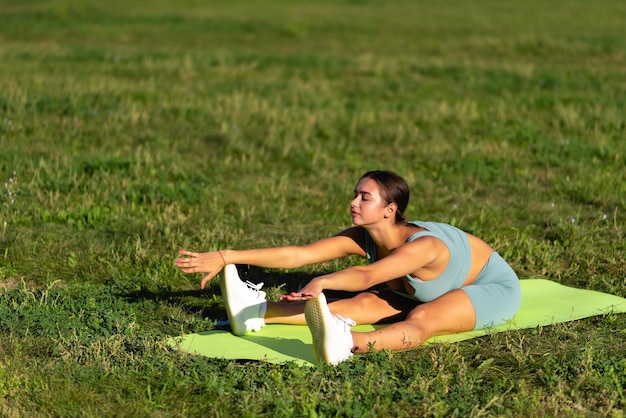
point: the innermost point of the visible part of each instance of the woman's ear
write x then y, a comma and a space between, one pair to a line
390, 210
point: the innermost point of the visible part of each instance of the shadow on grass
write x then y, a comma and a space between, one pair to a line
205, 304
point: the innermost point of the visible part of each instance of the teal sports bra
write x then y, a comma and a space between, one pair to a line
455, 272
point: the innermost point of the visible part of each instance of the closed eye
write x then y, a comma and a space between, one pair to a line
364, 195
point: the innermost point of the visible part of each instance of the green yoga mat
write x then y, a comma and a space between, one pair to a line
543, 303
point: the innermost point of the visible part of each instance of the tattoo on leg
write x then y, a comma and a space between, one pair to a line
409, 342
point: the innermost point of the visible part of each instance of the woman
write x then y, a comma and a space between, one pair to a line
440, 280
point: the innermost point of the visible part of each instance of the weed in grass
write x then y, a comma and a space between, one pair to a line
9, 195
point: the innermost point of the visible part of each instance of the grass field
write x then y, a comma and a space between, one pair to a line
131, 129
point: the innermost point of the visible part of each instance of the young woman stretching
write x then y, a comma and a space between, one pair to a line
440, 280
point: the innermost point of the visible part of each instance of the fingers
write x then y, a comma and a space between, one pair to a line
197, 263
206, 279
187, 262
296, 296
183, 261
291, 298
185, 266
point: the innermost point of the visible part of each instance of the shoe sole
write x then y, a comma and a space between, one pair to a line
314, 315
225, 279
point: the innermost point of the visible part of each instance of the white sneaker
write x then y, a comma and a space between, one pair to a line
332, 339
245, 302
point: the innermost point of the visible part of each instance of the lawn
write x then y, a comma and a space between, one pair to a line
130, 130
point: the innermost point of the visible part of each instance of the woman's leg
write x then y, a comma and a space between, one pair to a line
377, 306
448, 314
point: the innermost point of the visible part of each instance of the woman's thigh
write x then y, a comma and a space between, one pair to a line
448, 314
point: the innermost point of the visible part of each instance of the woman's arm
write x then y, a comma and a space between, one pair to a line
406, 259
345, 243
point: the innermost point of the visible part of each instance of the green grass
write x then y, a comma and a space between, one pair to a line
130, 130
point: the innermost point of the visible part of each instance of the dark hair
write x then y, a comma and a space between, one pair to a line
393, 188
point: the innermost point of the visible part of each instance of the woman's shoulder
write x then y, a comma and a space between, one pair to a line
356, 233
353, 231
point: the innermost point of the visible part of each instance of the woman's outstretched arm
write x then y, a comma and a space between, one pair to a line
406, 259
345, 243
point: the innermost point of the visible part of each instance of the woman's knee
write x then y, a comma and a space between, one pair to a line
361, 301
366, 297
369, 308
421, 322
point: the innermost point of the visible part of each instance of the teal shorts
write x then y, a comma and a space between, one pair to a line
496, 293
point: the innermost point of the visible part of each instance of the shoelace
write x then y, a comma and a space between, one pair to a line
253, 286
349, 322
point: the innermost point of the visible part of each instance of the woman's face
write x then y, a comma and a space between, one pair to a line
368, 205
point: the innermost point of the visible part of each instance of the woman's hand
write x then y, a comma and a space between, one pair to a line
310, 291
210, 263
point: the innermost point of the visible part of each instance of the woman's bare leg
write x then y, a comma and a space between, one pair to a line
449, 314
365, 308
291, 313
